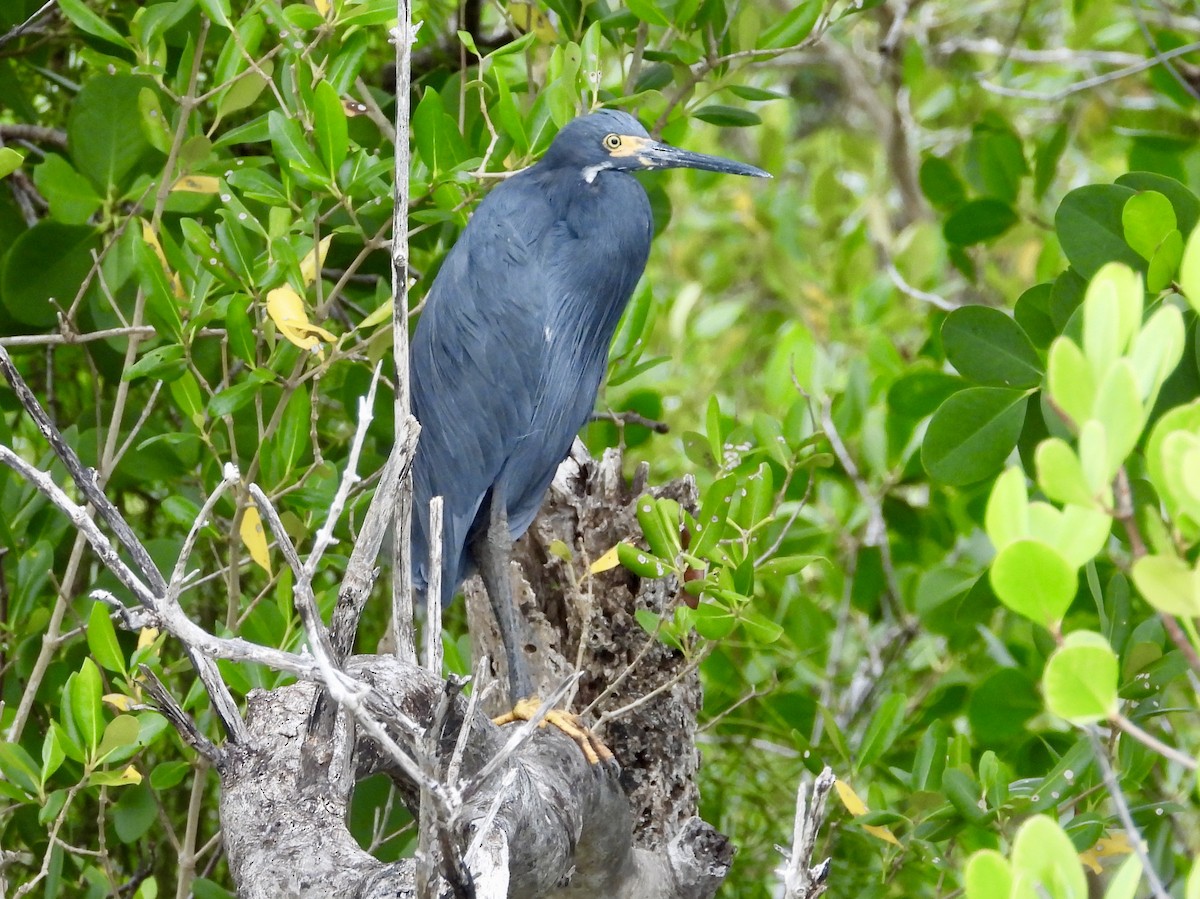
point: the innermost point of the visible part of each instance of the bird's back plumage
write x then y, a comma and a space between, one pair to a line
512, 345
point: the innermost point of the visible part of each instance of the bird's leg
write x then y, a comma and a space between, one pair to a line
493, 550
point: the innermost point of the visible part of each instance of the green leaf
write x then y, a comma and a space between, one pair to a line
647, 11
52, 755
1169, 584
1164, 264
87, 21
996, 161
1033, 580
1045, 862
988, 347
134, 813
940, 183
330, 128
1147, 218
169, 774
1184, 202
972, 433
1089, 227
1069, 381
641, 562
44, 268
10, 161
85, 688
1080, 680
977, 221
163, 364
1046, 159
19, 768
1060, 475
102, 640
727, 116
783, 566
119, 733
153, 121
71, 196
886, 724
104, 130
1124, 883
792, 27
1120, 412
294, 429
988, 875
217, 10
293, 150
1006, 519
760, 629
1189, 270
964, 794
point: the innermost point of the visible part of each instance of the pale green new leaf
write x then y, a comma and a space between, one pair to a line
1080, 680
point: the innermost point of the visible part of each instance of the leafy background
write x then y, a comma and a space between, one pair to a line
862, 362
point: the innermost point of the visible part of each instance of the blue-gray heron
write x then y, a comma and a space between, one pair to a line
510, 350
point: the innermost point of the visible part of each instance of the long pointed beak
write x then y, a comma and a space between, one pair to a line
655, 155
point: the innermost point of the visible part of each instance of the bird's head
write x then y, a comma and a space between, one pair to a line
615, 140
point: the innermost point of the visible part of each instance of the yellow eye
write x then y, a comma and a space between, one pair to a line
612, 141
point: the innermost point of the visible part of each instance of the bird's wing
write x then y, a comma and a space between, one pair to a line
476, 366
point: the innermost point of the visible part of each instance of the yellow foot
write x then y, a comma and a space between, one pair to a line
594, 751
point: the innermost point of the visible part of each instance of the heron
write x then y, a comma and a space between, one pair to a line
510, 350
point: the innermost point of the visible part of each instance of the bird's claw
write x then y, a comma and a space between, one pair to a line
593, 749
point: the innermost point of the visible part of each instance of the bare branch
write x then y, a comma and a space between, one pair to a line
801, 879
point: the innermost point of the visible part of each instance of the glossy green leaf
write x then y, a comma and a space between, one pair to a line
104, 130
727, 116
1164, 264
988, 875
978, 221
134, 813
90, 23
990, 348
1045, 862
792, 27
10, 161
1169, 584
102, 640
52, 755
1147, 218
1060, 474
1080, 680
18, 767
1124, 884
1089, 227
940, 183
85, 689
886, 724
1189, 270
1033, 580
972, 433
119, 733
1185, 203
1070, 381
1007, 517
43, 270
294, 429
329, 127
641, 562
72, 199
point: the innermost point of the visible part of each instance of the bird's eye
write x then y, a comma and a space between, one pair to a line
612, 141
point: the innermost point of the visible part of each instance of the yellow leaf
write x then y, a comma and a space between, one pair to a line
850, 800
151, 240
1106, 847
322, 6
130, 775
118, 701
856, 807
527, 17
606, 561
286, 309
379, 316
255, 538
197, 184
147, 636
310, 265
